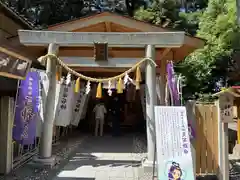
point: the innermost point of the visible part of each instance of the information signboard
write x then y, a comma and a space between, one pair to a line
174, 157
13, 65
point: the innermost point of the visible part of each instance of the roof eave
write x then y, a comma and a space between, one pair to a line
15, 16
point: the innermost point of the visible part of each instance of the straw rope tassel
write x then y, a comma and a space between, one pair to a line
120, 86
59, 73
138, 77
99, 91
77, 85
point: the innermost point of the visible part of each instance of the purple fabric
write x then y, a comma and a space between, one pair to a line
24, 130
172, 83
191, 131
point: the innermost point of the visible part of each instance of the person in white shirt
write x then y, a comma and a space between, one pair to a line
100, 112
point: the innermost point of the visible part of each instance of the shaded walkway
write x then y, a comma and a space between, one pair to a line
103, 158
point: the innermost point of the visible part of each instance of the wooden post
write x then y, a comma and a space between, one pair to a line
223, 159
238, 131
190, 108
6, 125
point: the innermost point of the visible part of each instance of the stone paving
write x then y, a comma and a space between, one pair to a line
105, 158
84, 157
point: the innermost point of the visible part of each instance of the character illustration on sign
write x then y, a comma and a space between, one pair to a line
175, 172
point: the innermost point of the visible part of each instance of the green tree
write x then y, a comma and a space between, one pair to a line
206, 66
168, 14
48, 12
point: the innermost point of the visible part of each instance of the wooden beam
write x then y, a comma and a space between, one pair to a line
99, 69
159, 39
114, 52
89, 62
108, 26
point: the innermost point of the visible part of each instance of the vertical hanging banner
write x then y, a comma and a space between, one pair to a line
84, 107
43, 85
172, 84
65, 104
78, 108
26, 113
174, 157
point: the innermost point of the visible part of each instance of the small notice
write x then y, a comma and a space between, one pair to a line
12, 65
174, 156
226, 108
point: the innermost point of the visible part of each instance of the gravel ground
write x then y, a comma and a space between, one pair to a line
62, 151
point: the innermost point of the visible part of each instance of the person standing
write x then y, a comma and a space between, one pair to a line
100, 112
116, 130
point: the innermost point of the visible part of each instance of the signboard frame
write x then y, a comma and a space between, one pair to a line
13, 61
226, 107
174, 154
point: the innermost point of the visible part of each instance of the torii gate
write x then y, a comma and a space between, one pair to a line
55, 39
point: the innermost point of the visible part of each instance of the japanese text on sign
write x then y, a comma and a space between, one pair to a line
64, 98
184, 135
27, 113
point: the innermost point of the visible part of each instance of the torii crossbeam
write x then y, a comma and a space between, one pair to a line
54, 39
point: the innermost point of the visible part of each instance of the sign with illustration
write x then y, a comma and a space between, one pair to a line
174, 156
226, 108
13, 65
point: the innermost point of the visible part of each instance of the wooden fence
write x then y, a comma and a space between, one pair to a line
206, 142
204, 119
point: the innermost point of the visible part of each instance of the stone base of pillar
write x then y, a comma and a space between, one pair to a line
148, 169
46, 162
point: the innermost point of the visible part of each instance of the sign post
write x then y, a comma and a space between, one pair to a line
174, 156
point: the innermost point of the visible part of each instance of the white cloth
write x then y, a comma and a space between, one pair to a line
65, 104
99, 111
44, 85
79, 107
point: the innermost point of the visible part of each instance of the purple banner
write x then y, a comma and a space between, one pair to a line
172, 83
24, 130
191, 131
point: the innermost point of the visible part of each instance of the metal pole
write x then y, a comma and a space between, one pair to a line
47, 132
151, 97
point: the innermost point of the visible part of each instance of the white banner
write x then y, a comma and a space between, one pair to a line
85, 107
78, 107
174, 157
64, 104
44, 85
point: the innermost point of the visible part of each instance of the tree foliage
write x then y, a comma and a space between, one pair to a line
209, 65
212, 20
48, 12
169, 14
215, 23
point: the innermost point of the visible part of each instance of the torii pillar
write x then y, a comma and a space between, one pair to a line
149, 40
